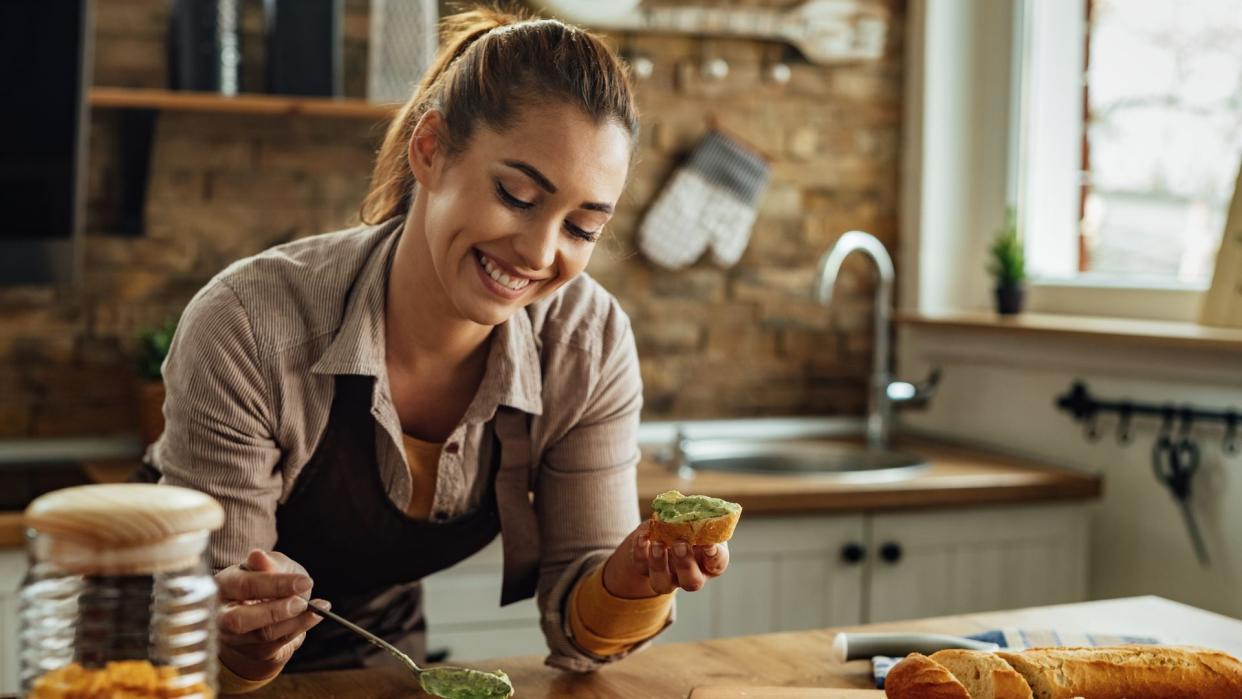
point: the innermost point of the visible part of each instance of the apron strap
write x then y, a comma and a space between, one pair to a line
515, 498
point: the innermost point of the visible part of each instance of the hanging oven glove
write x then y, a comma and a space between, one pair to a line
711, 201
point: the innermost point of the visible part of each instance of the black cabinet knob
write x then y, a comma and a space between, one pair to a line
890, 552
853, 552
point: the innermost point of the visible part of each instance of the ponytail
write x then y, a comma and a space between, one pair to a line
484, 75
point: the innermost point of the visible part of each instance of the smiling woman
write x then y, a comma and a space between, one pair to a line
374, 405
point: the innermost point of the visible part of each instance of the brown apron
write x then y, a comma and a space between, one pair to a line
366, 556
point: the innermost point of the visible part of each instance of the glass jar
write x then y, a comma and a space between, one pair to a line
119, 599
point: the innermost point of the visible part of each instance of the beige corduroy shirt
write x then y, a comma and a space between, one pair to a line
250, 378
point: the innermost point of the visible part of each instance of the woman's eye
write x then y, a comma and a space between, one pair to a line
511, 200
589, 236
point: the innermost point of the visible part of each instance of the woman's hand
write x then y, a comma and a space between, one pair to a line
263, 617
642, 568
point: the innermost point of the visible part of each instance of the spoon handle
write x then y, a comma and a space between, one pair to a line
370, 637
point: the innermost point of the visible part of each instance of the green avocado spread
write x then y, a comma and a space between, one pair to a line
462, 683
673, 507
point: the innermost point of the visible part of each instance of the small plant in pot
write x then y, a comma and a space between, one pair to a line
1008, 266
153, 344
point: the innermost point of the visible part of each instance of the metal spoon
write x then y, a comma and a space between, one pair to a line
447, 681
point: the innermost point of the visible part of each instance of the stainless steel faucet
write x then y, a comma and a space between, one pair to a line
675, 458
884, 392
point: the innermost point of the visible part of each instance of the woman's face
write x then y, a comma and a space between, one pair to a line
517, 215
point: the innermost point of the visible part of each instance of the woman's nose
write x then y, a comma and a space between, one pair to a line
536, 246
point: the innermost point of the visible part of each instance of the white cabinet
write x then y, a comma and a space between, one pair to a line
785, 573
789, 573
936, 563
12, 570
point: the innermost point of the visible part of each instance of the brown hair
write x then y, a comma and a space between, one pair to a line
490, 64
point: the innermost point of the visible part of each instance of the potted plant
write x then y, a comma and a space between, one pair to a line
153, 344
1008, 265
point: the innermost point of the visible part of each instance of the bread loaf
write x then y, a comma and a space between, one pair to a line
1129, 672
920, 677
1106, 672
985, 675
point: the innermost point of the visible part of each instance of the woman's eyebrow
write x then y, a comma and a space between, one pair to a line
544, 183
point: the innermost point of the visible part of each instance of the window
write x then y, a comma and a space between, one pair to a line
1126, 175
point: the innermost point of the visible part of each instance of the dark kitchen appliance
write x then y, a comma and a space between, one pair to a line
45, 71
204, 45
304, 55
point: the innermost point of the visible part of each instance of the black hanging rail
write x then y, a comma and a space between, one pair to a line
1086, 408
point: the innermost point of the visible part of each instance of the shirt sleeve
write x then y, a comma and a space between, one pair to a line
588, 479
604, 624
218, 423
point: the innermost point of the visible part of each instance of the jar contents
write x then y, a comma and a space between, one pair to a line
132, 679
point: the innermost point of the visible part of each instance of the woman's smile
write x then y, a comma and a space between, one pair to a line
499, 278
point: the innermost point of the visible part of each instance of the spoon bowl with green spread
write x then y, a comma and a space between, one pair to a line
446, 681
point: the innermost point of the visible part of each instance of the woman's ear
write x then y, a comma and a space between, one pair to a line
426, 152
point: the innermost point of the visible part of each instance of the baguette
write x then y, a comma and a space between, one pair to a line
985, 675
919, 677
1105, 672
695, 519
1129, 672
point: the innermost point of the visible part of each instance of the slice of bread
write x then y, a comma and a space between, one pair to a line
919, 677
985, 675
695, 519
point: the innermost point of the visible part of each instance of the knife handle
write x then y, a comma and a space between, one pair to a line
854, 646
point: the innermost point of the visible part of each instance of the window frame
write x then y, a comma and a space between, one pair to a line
966, 89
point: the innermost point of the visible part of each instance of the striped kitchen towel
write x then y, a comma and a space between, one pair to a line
1018, 639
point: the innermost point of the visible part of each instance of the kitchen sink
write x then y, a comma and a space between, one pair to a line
802, 457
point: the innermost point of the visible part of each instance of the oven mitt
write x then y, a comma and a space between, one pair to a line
710, 202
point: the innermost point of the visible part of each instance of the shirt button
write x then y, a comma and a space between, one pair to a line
452, 448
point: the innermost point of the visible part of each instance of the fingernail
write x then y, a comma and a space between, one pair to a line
297, 605
711, 551
681, 549
657, 549
302, 586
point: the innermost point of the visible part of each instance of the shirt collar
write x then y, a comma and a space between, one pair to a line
513, 376
358, 347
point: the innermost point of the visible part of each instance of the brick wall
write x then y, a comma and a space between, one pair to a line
714, 343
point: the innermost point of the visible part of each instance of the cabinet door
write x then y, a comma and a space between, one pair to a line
976, 560
12, 569
464, 615
785, 573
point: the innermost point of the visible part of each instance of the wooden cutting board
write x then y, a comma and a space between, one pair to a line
783, 693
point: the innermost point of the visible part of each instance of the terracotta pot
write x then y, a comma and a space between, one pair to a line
150, 410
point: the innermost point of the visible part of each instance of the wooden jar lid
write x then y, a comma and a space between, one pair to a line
125, 526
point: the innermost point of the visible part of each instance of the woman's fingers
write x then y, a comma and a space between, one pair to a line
238, 584
640, 548
660, 577
277, 633
686, 568
713, 559
241, 618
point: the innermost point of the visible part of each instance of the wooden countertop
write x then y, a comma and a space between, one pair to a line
801, 658
956, 476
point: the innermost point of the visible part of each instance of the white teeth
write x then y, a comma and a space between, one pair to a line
513, 284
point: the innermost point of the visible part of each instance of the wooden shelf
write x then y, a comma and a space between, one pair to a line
1145, 332
182, 101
